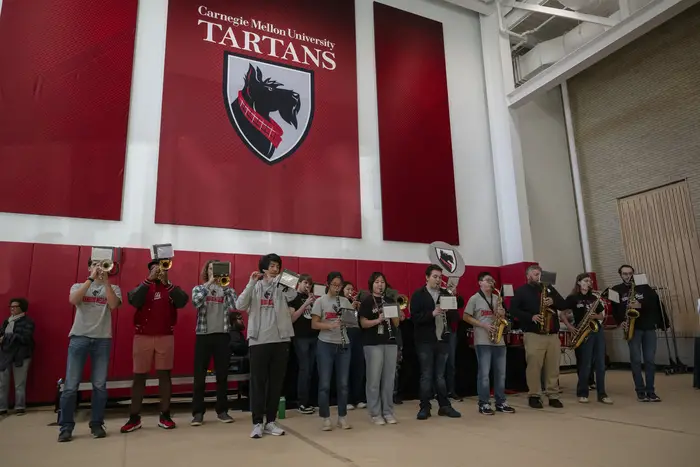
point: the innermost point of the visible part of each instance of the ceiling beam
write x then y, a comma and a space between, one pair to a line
475, 5
564, 13
626, 31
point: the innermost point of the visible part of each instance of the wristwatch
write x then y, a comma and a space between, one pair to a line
91, 279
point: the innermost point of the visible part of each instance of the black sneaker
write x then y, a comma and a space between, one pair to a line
504, 408
98, 431
448, 411
485, 409
306, 410
423, 414
642, 397
397, 400
197, 419
556, 403
224, 417
653, 397
535, 402
3, 413
454, 397
64, 436
20, 412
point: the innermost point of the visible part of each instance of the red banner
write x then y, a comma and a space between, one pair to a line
259, 119
65, 82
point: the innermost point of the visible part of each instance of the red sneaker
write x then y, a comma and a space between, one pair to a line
133, 424
166, 422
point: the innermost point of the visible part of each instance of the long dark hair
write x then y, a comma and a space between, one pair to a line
577, 288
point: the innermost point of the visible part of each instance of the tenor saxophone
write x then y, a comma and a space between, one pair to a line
631, 314
545, 312
500, 324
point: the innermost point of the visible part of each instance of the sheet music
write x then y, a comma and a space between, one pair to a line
508, 290
391, 311
613, 296
640, 279
319, 290
448, 303
101, 253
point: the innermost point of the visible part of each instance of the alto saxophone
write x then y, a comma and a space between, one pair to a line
500, 324
587, 324
631, 314
545, 312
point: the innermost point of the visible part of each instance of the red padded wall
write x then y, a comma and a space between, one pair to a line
44, 274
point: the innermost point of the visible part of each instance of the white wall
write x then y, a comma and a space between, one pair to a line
476, 199
550, 191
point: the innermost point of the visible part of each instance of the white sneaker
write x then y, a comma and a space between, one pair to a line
271, 428
362, 405
343, 423
390, 419
378, 421
350, 407
583, 400
257, 431
605, 400
327, 425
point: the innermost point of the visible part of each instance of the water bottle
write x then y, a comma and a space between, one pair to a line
282, 408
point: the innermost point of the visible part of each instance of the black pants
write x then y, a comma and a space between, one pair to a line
432, 358
207, 346
268, 366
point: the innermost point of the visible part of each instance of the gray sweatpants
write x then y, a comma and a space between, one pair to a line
20, 374
380, 361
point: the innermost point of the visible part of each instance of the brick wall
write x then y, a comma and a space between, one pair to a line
637, 126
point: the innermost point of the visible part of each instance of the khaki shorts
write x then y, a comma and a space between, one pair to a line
150, 349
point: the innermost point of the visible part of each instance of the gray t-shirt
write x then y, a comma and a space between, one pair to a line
269, 331
327, 308
93, 317
480, 310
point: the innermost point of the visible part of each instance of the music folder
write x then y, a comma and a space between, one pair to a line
289, 279
162, 251
101, 253
220, 269
319, 290
391, 311
348, 318
448, 303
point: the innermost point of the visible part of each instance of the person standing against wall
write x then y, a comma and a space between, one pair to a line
213, 303
270, 331
16, 349
91, 335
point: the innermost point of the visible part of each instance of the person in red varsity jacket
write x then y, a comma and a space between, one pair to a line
156, 301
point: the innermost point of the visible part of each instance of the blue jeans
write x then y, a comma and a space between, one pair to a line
433, 360
305, 348
78, 350
357, 371
450, 370
491, 357
643, 343
329, 356
592, 352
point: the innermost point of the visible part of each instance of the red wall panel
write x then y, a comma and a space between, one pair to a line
64, 105
15, 264
53, 272
320, 267
363, 269
415, 141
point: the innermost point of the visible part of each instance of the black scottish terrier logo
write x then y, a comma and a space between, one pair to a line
95, 293
253, 106
447, 259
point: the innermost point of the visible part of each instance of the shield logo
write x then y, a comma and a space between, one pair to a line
447, 259
271, 106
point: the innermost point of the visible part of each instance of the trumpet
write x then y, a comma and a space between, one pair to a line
107, 265
165, 264
500, 324
223, 281
353, 297
402, 302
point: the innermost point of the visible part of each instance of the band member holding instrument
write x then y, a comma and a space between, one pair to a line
592, 350
156, 301
644, 300
534, 305
403, 310
431, 329
481, 312
305, 339
356, 395
380, 351
91, 335
213, 300
269, 332
332, 350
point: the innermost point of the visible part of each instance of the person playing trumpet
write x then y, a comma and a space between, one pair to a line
91, 334
482, 310
304, 341
357, 397
379, 338
213, 303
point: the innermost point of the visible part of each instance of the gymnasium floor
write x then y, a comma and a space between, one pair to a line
629, 433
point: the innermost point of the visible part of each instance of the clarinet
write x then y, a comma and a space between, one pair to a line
343, 341
388, 321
